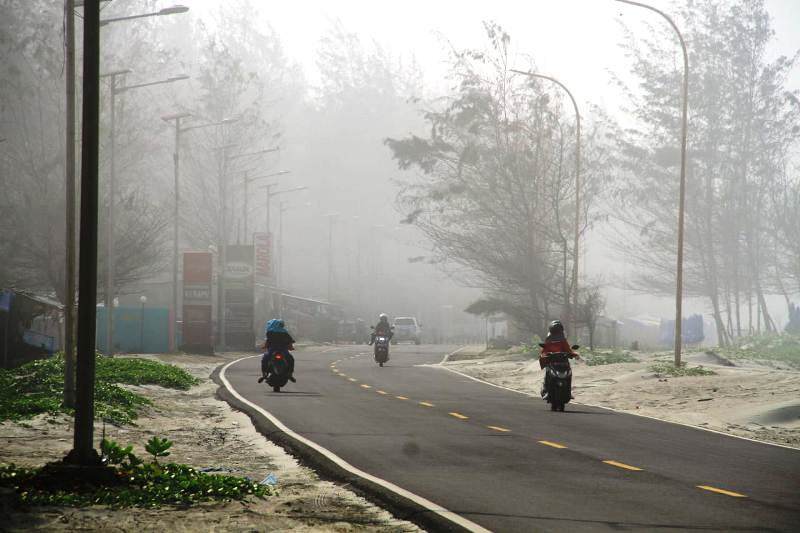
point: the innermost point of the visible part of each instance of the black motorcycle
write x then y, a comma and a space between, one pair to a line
558, 379
381, 348
277, 372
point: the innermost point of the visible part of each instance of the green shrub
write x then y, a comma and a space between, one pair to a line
38, 387
778, 348
131, 482
669, 369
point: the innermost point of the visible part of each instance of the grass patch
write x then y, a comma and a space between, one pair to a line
37, 387
669, 369
777, 348
127, 482
607, 357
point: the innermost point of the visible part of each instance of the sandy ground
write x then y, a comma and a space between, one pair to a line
748, 400
206, 433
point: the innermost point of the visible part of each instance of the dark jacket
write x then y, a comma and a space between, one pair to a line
279, 341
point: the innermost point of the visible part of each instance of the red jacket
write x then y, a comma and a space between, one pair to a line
561, 346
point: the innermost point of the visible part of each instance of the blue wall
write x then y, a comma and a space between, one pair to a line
128, 330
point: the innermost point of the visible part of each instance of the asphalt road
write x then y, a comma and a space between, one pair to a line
503, 460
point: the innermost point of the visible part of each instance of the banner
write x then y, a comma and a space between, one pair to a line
197, 325
239, 296
263, 244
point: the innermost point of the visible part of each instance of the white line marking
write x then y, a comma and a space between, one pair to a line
419, 500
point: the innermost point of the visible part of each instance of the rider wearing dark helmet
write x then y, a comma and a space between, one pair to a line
556, 342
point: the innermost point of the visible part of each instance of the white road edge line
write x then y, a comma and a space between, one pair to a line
441, 365
419, 500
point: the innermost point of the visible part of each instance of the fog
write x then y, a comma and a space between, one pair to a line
341, 105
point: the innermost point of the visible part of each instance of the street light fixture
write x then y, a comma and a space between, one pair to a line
574, 308
247, 180
174, 10
682, 194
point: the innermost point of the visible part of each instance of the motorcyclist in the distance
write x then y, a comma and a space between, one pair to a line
556, 342
277, 340
381, 328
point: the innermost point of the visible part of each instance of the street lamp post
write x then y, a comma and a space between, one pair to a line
109, 285
70, 189
574, 308
176, 211
142, 300
270, 195
247, 180
223, 252
83, 452
682, 194
330, 251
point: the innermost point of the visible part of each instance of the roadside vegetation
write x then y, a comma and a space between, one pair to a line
765, 348
128, 481
670, 370
37, 387
607, 357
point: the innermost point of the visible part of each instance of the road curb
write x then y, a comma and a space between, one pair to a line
400, 506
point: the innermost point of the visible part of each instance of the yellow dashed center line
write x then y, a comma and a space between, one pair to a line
352, 379
623, 465
458, 415
721, 491
363, 386
381, 392
401, 397
498, 428
426, 404
551, 444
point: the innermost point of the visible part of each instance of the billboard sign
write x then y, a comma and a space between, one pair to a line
197, 327
239, 296
263, 245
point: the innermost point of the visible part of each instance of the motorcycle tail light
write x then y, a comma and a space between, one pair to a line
279, 356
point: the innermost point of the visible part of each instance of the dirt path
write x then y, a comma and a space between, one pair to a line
207, 433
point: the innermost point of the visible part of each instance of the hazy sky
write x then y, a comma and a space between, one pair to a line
575, 41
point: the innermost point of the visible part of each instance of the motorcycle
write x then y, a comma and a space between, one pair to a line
381, 348
277, 372
558, 379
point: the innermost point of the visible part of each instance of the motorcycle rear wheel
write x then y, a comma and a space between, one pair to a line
275, 388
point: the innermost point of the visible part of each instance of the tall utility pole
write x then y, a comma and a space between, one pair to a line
330, 252
682, 194
83, 452
109, 287
573, 312
175, 217
176, 209
109, 218
69, 182
247, 180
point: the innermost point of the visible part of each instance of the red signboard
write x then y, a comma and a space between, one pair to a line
197, 326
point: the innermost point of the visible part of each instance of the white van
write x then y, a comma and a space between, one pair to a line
406, 328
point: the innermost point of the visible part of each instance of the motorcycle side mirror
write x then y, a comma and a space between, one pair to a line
541, 345
575, 346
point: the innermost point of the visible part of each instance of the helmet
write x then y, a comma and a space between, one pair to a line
383, 317
556, 327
